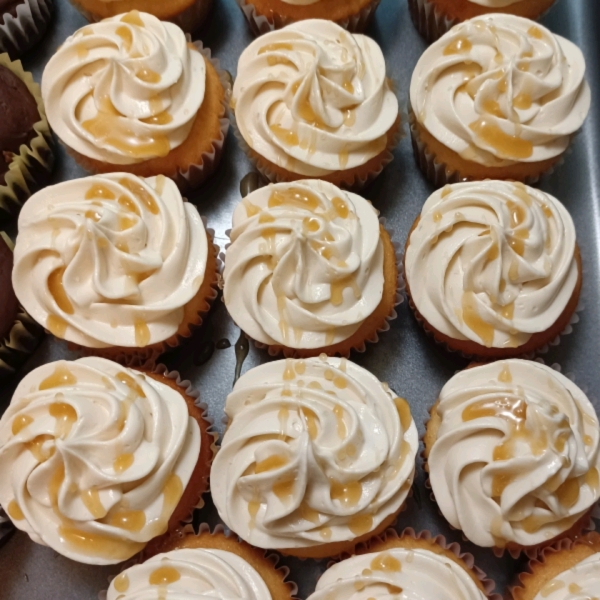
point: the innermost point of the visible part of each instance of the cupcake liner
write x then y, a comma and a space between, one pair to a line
30, 168
6, 526
190, 19
584, 524
453, 547
24, 30
260, 24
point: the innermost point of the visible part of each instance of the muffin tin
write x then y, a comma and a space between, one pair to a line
413, 365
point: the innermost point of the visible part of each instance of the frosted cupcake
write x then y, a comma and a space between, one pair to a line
310, 269
570, 571
497, 97
116, 264
313, 101
493, 269
131, 94
433, 18
97, 460
512, 454
318, 456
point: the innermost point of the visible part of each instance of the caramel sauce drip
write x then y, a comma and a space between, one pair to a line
508, 146
285, 136
311, 422
133, 17
61, 377
142, 333
148, 76
19, 423
472, 319
129, 520
284, 489
91, 500
141, 194
348, 494
275, 47
297, 197
459, 46
14, 511
360, 524
404, 412
277, 461
99, 191
338, 287
123, 462
36, 447
57, 290
342, 431
121, 583
131, 383
65, 416
386, 562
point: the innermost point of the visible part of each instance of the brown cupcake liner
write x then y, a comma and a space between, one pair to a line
130, 357
584, 524
190, 19
538, 563
440, 174
24, 30
196, 174
260, 24
453, 547
30, 168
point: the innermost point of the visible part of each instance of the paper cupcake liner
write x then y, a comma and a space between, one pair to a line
6, 526
260, 24
30, 168
584, 524
440, 174
26, 28
453, 547
190, 19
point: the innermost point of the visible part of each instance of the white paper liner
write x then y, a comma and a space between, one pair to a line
190, 19
586, 520
26, 29
260, 24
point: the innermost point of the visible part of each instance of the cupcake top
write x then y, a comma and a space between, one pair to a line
313, 98
124, 90
109, 260
305, 265
400, 573
501, 89
578, 583
492, 262
316, 451
95, 458
516, 455
190, 573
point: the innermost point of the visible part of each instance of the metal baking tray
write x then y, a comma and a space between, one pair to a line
413, 365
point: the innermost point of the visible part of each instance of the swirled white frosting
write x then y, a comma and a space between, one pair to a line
399, 573
316, 451
305, 265
313, 98
501, 89
581, 582
190, 573
516, 455
94, 458
124, 90
109, 260
492, 262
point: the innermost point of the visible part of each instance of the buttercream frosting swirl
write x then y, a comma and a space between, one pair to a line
516, 454
109, 260
124, 90
316, 451
94, 458
189, 573
581, 582
313, 98
397, 573
305, 265
501, 89
492, 262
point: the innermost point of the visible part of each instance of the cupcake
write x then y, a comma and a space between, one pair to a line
97, 459
313, 101
207, 565
318, 456
433, 18
405, 566
23, 24
497, 97
19, 333
265, 15
131, 94
116, 264
571, 571
187, 14
25, 139
310, 269
512, 455
493, 269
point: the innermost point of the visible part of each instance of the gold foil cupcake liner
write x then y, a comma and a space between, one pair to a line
260, 24
21, 32
30, 168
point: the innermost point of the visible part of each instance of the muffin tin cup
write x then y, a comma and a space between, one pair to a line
30, 169
583, 525
21, 32
260, 24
